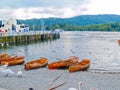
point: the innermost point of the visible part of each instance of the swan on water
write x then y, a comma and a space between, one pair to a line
7, 72
19, 73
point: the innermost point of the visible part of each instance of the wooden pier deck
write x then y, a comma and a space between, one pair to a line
12, 39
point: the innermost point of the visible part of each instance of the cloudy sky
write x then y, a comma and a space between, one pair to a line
26, 9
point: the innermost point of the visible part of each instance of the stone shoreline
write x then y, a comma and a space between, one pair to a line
39, 79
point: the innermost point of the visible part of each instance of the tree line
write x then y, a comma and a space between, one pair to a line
101, 22
94, 27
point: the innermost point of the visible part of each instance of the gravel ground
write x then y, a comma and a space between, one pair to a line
39, 79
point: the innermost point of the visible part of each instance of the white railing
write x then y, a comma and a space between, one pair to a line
26, 33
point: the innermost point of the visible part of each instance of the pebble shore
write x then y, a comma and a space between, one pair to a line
40, 79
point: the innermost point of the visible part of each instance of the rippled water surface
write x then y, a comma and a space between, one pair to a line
100, 47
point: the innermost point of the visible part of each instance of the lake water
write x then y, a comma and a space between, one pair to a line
100, 47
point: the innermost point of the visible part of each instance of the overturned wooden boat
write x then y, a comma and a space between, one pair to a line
80, 66
36, 63
63, 63
13, 60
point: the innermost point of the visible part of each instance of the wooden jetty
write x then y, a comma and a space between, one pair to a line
21, 38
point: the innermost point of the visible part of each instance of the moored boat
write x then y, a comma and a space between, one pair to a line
118, 42
80, 66
36, 63
3, 56
13, 60
63, 63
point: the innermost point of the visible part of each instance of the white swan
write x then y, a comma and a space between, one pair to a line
7, 72
19, 73
79, 85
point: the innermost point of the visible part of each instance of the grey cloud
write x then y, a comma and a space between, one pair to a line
83, 9
60, 5
48, 7
39, 3
48, 11
6, 14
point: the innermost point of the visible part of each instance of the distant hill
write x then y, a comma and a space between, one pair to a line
78, 20
101, 22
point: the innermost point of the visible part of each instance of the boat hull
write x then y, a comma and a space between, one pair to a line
3, 56
119, 42
80, 66
13, 61
36, 64
63, 63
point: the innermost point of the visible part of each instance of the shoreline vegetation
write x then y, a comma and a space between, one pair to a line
101, 22
114, 26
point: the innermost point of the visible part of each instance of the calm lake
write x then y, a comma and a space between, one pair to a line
100, 47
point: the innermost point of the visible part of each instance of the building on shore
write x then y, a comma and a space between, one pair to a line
12, 26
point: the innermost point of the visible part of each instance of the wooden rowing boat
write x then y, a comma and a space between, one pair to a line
9, 57
118, 42
80, 66
13, 60
3, 56
36, 63
63, 63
